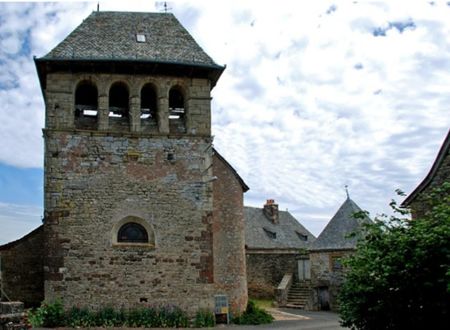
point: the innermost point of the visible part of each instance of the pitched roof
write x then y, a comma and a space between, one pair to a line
258, 230
31, 234
244, 186
108, 42
442, 154
343, 223
113, 35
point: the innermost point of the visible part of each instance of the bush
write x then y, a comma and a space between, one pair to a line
52, 315
81, 317
172, 317
398, 277
204, 318
49, 315
108, 317
253, 315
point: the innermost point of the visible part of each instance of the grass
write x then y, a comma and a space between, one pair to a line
263, 303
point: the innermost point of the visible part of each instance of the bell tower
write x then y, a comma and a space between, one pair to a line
128, 165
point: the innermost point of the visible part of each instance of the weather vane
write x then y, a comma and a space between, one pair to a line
346, 191
163, 6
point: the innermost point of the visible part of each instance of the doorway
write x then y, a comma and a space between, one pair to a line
304, 269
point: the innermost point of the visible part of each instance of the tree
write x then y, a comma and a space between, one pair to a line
399, 276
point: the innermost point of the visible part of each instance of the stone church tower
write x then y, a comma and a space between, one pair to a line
138, 208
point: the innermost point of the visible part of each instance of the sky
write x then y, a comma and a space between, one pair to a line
316, 95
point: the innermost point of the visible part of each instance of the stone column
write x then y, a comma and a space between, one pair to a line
163, 115
103, 112
135, 113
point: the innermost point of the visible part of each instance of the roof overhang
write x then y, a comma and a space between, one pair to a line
443, 151
45, 66
256, 250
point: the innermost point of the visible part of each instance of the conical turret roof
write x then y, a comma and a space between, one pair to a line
335, 235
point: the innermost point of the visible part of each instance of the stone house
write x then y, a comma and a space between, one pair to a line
438, 174
327, 251
275, 245
138, 206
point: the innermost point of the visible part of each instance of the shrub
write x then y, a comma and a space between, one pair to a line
108, 317
204, 318
172, 316
81, 317
49, 315
253, 315
398, 277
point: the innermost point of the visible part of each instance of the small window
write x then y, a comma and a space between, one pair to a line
336, 263
140, 37
270, 234
302, 236
132, 232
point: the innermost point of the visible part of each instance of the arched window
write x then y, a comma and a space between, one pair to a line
132, 232
148, 107
176, 110
118, 100
86, 105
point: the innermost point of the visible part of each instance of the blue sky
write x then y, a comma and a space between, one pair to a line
316, 95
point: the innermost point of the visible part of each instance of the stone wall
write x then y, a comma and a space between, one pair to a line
326, 278
95, 180
228, 235
92, 184
266, 270
22, 269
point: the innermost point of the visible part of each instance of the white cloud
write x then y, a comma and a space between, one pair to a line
18, 220
309, 101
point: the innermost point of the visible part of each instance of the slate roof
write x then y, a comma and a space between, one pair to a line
334, 236
107, 35
444, 152
286, 231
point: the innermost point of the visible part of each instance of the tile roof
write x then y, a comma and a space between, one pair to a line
335, 234
258, 230
113, 36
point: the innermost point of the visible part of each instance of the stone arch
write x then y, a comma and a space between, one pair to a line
119, 105
149, 107
141, 223
86, 104
177, 109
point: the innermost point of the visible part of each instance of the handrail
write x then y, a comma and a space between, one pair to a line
281, 293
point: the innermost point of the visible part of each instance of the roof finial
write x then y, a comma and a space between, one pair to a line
346, 191
163, 6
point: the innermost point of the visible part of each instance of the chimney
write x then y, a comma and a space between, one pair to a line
271, 211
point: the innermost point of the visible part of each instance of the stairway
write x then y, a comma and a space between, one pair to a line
299, 294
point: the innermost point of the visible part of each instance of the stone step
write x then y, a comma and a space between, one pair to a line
298, 306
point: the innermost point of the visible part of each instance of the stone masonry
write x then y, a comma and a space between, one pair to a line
22, 276
266, 270
97, 179
327, 275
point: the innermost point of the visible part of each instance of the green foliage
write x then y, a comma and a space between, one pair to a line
253, 315
108, 317
81, 317
53, 315
49, 315
172, 317
399, 277
204, 319
36, 317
